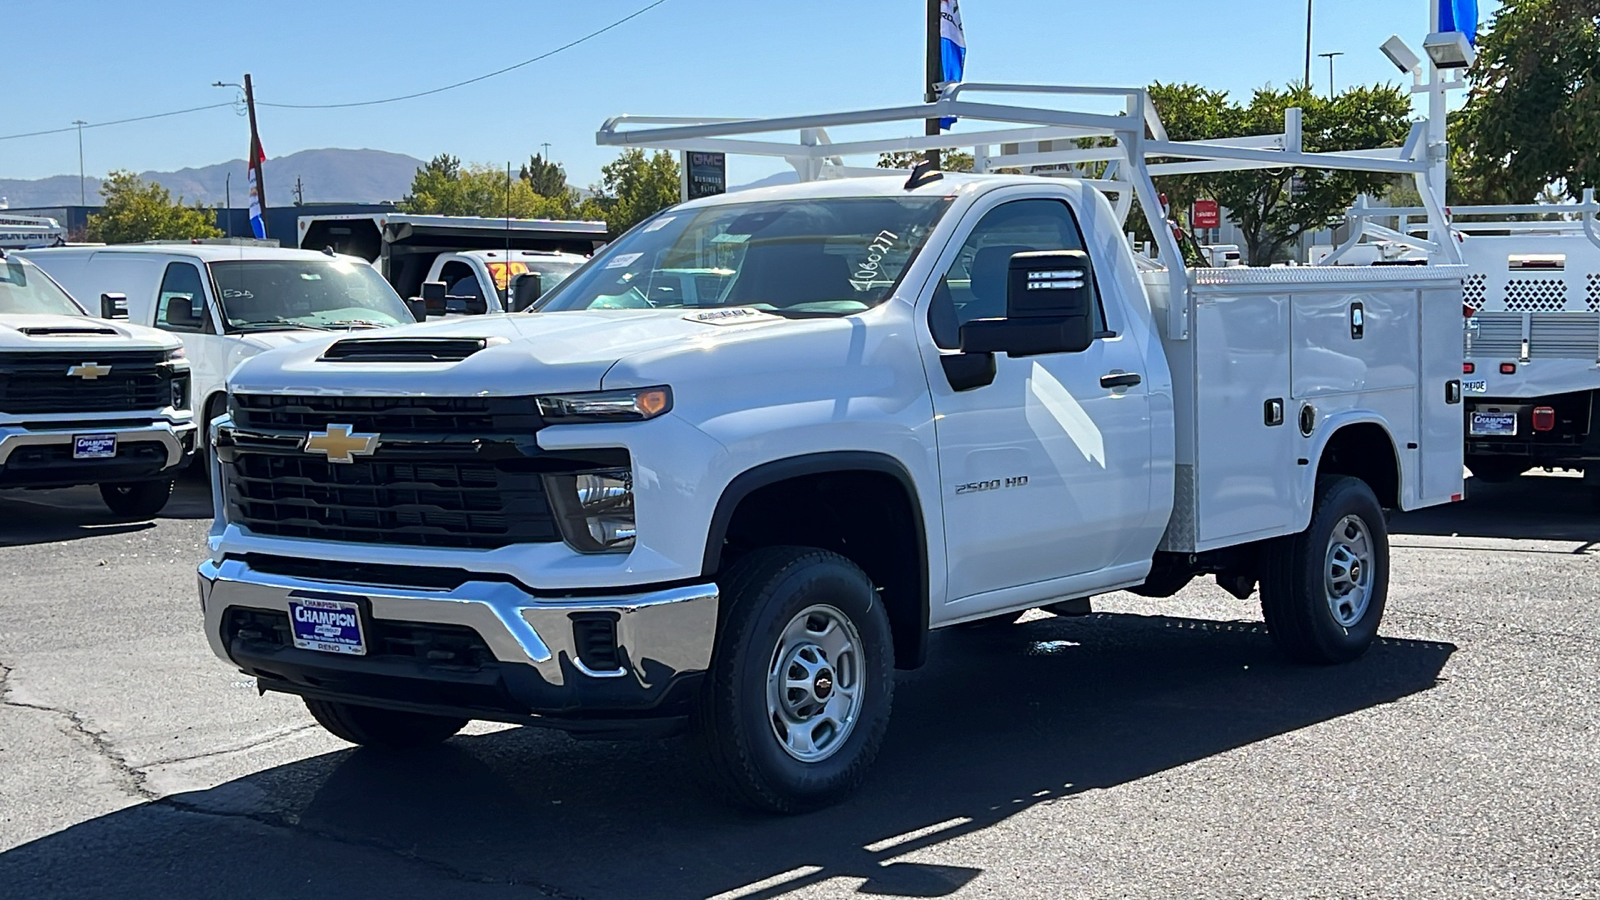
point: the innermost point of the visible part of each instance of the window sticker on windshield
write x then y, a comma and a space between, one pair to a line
730, 239
310, 276
658, 224
868, 270
624, 261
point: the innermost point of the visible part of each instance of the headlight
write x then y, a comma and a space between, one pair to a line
176, 354
595, 509
635, 405
180, 390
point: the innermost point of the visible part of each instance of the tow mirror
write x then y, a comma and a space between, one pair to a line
1049, 308
526, 289
113, 306
181, 311
433, 293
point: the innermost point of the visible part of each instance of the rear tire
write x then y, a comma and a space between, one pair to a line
1496, 469
139, 499
1323, 590
383, 729
795, 706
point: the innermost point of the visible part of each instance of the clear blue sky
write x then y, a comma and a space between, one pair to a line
99, 61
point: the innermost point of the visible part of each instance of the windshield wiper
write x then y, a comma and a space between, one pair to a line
356, 323
276, 323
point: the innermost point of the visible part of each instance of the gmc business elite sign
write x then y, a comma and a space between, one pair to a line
704, 174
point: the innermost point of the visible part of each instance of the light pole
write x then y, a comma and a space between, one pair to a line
1307, 82
82, 200
1330, 57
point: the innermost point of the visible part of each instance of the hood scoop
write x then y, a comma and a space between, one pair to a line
67, 330
404, 350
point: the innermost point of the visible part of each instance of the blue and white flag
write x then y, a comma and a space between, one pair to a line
1460, 15
258, 225
953, 46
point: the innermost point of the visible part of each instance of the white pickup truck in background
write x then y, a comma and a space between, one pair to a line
478, 260
1531, 368
88, 400
231, 299
903, 403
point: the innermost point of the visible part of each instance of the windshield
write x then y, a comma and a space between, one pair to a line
819, 257
25, 289
263, 294
551, 271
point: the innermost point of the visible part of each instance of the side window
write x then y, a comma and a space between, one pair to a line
975, 285
182, 303
459, 281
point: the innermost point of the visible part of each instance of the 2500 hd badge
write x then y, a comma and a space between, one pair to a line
994, 484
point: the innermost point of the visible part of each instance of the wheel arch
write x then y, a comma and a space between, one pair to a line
897, 563
1363, 447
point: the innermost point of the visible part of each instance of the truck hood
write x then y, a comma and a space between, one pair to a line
272, 340
19, 331
551, 352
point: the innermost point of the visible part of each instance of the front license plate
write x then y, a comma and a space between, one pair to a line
94, 446
1494, 424
330, 626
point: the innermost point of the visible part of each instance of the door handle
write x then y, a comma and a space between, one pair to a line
1119, 380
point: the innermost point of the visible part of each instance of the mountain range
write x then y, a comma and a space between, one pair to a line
326, 176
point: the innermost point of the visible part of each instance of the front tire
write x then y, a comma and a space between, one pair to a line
795, 706
137, 500
1323, 590
384, 729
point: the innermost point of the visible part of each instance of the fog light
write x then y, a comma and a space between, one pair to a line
595, 509
1544, 418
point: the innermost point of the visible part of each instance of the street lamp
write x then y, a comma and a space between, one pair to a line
82, 201
1330, 57
1307, 82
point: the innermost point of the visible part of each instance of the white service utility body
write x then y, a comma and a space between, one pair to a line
1531, 372
231, 299
87, 400
914, 402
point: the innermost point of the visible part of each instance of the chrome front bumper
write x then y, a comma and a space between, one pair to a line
661, 635
173, 437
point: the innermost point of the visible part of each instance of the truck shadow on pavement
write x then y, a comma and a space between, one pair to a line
1533, 507
1000, 722
67, 514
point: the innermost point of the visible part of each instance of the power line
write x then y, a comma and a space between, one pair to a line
176, 112
451, 87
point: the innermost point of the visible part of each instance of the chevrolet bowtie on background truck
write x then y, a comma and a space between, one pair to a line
86, 400
908, 403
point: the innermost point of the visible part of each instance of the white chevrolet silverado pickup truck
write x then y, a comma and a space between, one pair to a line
86, 400
913, 402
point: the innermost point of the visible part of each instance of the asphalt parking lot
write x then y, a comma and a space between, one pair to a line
1154, 749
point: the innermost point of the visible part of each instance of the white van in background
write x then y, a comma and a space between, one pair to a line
229, 301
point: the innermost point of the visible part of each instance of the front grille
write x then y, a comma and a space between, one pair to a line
38, 383
434, 645
462, 503
387, 415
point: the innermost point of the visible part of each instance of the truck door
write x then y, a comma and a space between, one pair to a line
182, 306
1045, 472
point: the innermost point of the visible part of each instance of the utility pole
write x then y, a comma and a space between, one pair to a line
81, 196
546, 146
299, 192
935, 73
1330, 57
227, 204
1307, 82
255, 148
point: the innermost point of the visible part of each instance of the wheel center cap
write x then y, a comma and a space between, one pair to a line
1355, 571
823, 686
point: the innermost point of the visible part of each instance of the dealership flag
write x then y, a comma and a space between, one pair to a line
258, 225
1460, 15
952, 46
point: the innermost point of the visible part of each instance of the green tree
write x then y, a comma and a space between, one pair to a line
1274, 207
632, 188
547, 178
949, 161
1532, 116
136, 210
445, 187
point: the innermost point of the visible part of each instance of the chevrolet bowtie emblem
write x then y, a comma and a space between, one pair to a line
88, 371
339, 445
